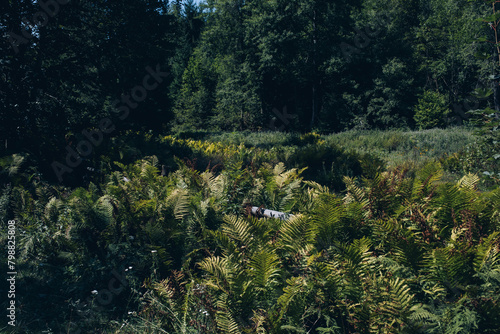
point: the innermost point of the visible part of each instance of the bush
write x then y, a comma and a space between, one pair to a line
431, 110
328, 164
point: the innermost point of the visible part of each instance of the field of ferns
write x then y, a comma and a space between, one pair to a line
389, 232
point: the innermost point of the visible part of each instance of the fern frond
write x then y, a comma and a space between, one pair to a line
279, 168
354, 193
238, 229
286, 202
488, 252
448, 266
295, 286
226, 323
219, 270
264, 268
294, 233
218, 186
469, 182
319, 189
15, 166
427, 178
179, 201
421, 315
52, 209
259, 320
105, 208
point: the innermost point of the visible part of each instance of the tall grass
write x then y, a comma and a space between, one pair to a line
398, 147
393, 146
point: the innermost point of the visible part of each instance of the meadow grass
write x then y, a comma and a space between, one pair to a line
395, 147
411, 149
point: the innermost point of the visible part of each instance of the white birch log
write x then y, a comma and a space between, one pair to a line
270, 213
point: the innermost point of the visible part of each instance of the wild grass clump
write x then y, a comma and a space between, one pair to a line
396, 146
255, 139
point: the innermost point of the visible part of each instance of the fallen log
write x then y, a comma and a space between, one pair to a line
261, 212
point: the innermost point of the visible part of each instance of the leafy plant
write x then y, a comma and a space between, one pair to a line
431, 110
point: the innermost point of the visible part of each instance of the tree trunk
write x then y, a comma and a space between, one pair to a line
314, 72
496, 96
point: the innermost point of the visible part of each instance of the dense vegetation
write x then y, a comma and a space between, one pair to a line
237, 65
136, 136
394, 249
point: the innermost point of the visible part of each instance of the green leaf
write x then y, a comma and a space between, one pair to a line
482, 93
482, 55
491, 18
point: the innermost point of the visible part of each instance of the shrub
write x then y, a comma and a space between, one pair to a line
431, 110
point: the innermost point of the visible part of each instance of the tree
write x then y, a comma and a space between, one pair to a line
431, 110
488, 119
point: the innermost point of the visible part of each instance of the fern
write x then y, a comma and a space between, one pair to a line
263, 268
295, 287
295, 234
426, 179
464, 321
179, 199
422, 316
239, 230
488, 253
226, 323
219, 270
469, 182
